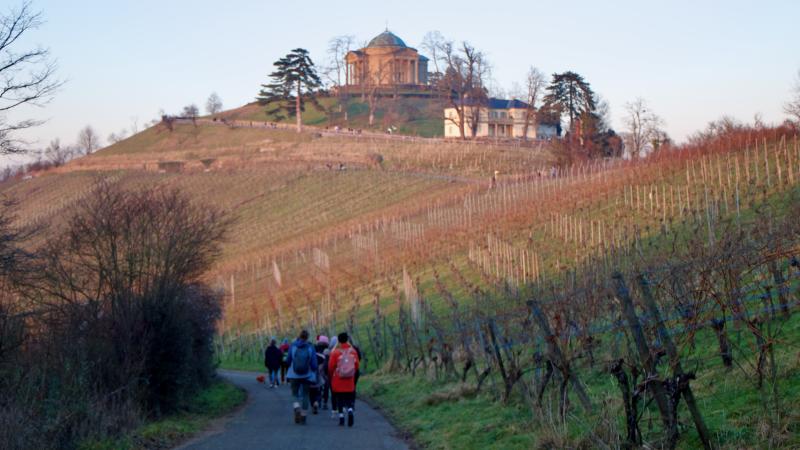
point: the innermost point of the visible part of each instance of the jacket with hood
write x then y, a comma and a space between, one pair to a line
273, 357
302, 346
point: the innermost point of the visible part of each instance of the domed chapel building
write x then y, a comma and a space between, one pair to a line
386, 62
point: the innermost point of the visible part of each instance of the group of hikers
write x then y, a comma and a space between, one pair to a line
316, 372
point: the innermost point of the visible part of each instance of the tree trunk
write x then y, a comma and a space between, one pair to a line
461, 124
528, 115
297, 108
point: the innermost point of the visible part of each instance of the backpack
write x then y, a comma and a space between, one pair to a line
346, 366
301, 361
322, 375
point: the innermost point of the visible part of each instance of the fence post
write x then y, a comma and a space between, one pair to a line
555, 352
674, 360
652, 381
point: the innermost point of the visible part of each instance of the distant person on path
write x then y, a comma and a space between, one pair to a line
302, 373
284, 348
342, 369
273, 359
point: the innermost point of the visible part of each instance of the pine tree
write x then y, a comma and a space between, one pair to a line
293, 83
569, 93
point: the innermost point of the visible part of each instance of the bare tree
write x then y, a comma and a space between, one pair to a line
371, 85
113, 138
57, 154
191, 112
465, 77
336, 71
643, 127
535, 83
134, 125
213, 104
792, 107
27, 76
433, 43
338, 48
88, 140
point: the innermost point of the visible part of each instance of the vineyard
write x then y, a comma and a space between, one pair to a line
603, 304
647, 293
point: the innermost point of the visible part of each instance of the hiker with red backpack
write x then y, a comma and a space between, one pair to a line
342, 369
302, 362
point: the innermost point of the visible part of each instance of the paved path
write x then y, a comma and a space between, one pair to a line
266, 422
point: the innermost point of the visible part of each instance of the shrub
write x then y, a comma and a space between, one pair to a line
116, 323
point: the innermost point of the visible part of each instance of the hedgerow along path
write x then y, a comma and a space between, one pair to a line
266, 421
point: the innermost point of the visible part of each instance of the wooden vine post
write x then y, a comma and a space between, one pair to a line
675, 362
652, 380
556, 355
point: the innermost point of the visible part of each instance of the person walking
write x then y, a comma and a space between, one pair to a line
273, 358
317, 387
342, 369
302, 361
334, 343
284, 348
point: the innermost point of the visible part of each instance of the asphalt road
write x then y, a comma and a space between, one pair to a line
266, 422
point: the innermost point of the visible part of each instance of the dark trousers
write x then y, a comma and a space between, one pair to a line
273, 377
284, 369
300, 391
333, 396
344, 400
326, 388
315, 394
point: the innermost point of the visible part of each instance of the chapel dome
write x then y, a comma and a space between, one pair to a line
386, 39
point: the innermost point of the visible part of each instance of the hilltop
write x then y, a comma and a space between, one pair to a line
412, 116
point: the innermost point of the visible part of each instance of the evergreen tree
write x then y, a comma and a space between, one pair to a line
570, 94
293, 82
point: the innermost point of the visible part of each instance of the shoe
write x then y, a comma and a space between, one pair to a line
333, 414
314, 408
350, 417
341, 420
298, 415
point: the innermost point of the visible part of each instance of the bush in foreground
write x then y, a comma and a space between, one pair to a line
109, 317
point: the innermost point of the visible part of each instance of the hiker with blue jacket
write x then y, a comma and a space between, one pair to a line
302, 362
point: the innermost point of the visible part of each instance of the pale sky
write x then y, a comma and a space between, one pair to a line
693, 61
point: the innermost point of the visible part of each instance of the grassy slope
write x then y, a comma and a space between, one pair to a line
217, 400
442, 415
411, 116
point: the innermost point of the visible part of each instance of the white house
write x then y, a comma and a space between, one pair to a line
498, 118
